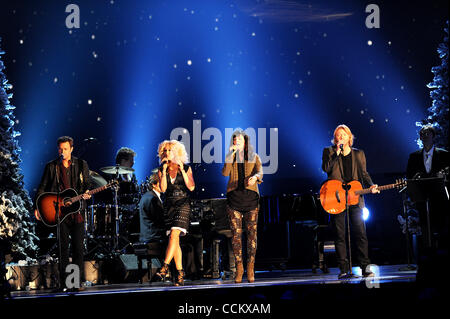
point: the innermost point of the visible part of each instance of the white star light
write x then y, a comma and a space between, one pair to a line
89, 101
369, 42
189, 62
209, 60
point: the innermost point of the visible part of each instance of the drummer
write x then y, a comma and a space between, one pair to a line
129, 190
125, 157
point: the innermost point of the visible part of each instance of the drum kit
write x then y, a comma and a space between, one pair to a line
112, 216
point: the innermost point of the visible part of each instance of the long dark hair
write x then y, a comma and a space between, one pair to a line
247, 147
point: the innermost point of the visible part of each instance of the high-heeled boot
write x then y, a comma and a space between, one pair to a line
251, 271
239, 273
179, 280
163, 272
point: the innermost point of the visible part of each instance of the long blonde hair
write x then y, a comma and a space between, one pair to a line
178, 150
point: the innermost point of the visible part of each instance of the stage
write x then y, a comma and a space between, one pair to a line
274, 292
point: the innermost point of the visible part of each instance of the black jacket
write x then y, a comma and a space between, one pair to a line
417, 167
79, 173
332, 165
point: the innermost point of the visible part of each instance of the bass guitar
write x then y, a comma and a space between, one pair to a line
332, 194
68, 203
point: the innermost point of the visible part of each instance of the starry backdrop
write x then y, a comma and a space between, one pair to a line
136, 70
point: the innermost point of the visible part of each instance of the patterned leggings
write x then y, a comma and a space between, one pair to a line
251, 221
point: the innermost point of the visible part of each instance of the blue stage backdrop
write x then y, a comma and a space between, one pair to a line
136, 70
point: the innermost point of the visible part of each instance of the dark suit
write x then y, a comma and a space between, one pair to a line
151, 215
438, 207
71, 226
416, 164
333, 166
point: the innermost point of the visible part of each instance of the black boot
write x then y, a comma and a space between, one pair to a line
163, 272
179, 280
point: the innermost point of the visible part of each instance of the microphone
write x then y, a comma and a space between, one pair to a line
60, 158
164, 161
341, 147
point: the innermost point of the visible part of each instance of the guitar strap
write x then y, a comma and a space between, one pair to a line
58, 183
341, 167
80, 171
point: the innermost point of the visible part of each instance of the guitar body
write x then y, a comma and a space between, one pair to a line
332, 195
46, 206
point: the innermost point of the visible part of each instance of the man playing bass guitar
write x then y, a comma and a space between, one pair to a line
343, 163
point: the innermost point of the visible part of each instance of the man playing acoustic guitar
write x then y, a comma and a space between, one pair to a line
67, 172
343, 163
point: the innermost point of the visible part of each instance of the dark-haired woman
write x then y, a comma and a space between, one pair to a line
245, 171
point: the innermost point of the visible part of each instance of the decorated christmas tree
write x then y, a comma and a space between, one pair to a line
17, 228
438, 112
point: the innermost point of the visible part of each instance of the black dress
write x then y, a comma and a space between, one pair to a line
177, 204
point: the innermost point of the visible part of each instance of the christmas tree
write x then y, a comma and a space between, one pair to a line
17, 228
438, 112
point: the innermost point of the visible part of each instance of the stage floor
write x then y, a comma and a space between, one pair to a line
275, 291
384, 274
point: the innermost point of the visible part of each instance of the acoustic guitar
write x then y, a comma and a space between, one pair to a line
332, 194
68, 203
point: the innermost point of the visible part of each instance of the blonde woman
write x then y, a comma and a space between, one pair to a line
245, 171
176, 181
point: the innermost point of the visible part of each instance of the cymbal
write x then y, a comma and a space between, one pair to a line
117, 170
97, 179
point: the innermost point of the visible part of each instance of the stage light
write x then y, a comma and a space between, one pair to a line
366, 213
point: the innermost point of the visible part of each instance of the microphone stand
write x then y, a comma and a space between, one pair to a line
116, 209
346, 187
350, 274
58, 226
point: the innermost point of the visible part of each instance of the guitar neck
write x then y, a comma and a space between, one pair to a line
381, 188
91, 192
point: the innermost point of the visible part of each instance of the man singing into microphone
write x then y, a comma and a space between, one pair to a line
63, 173
344, 163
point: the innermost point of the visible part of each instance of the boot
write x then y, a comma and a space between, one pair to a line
251, 271
239, 273
163, 272
179, 280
